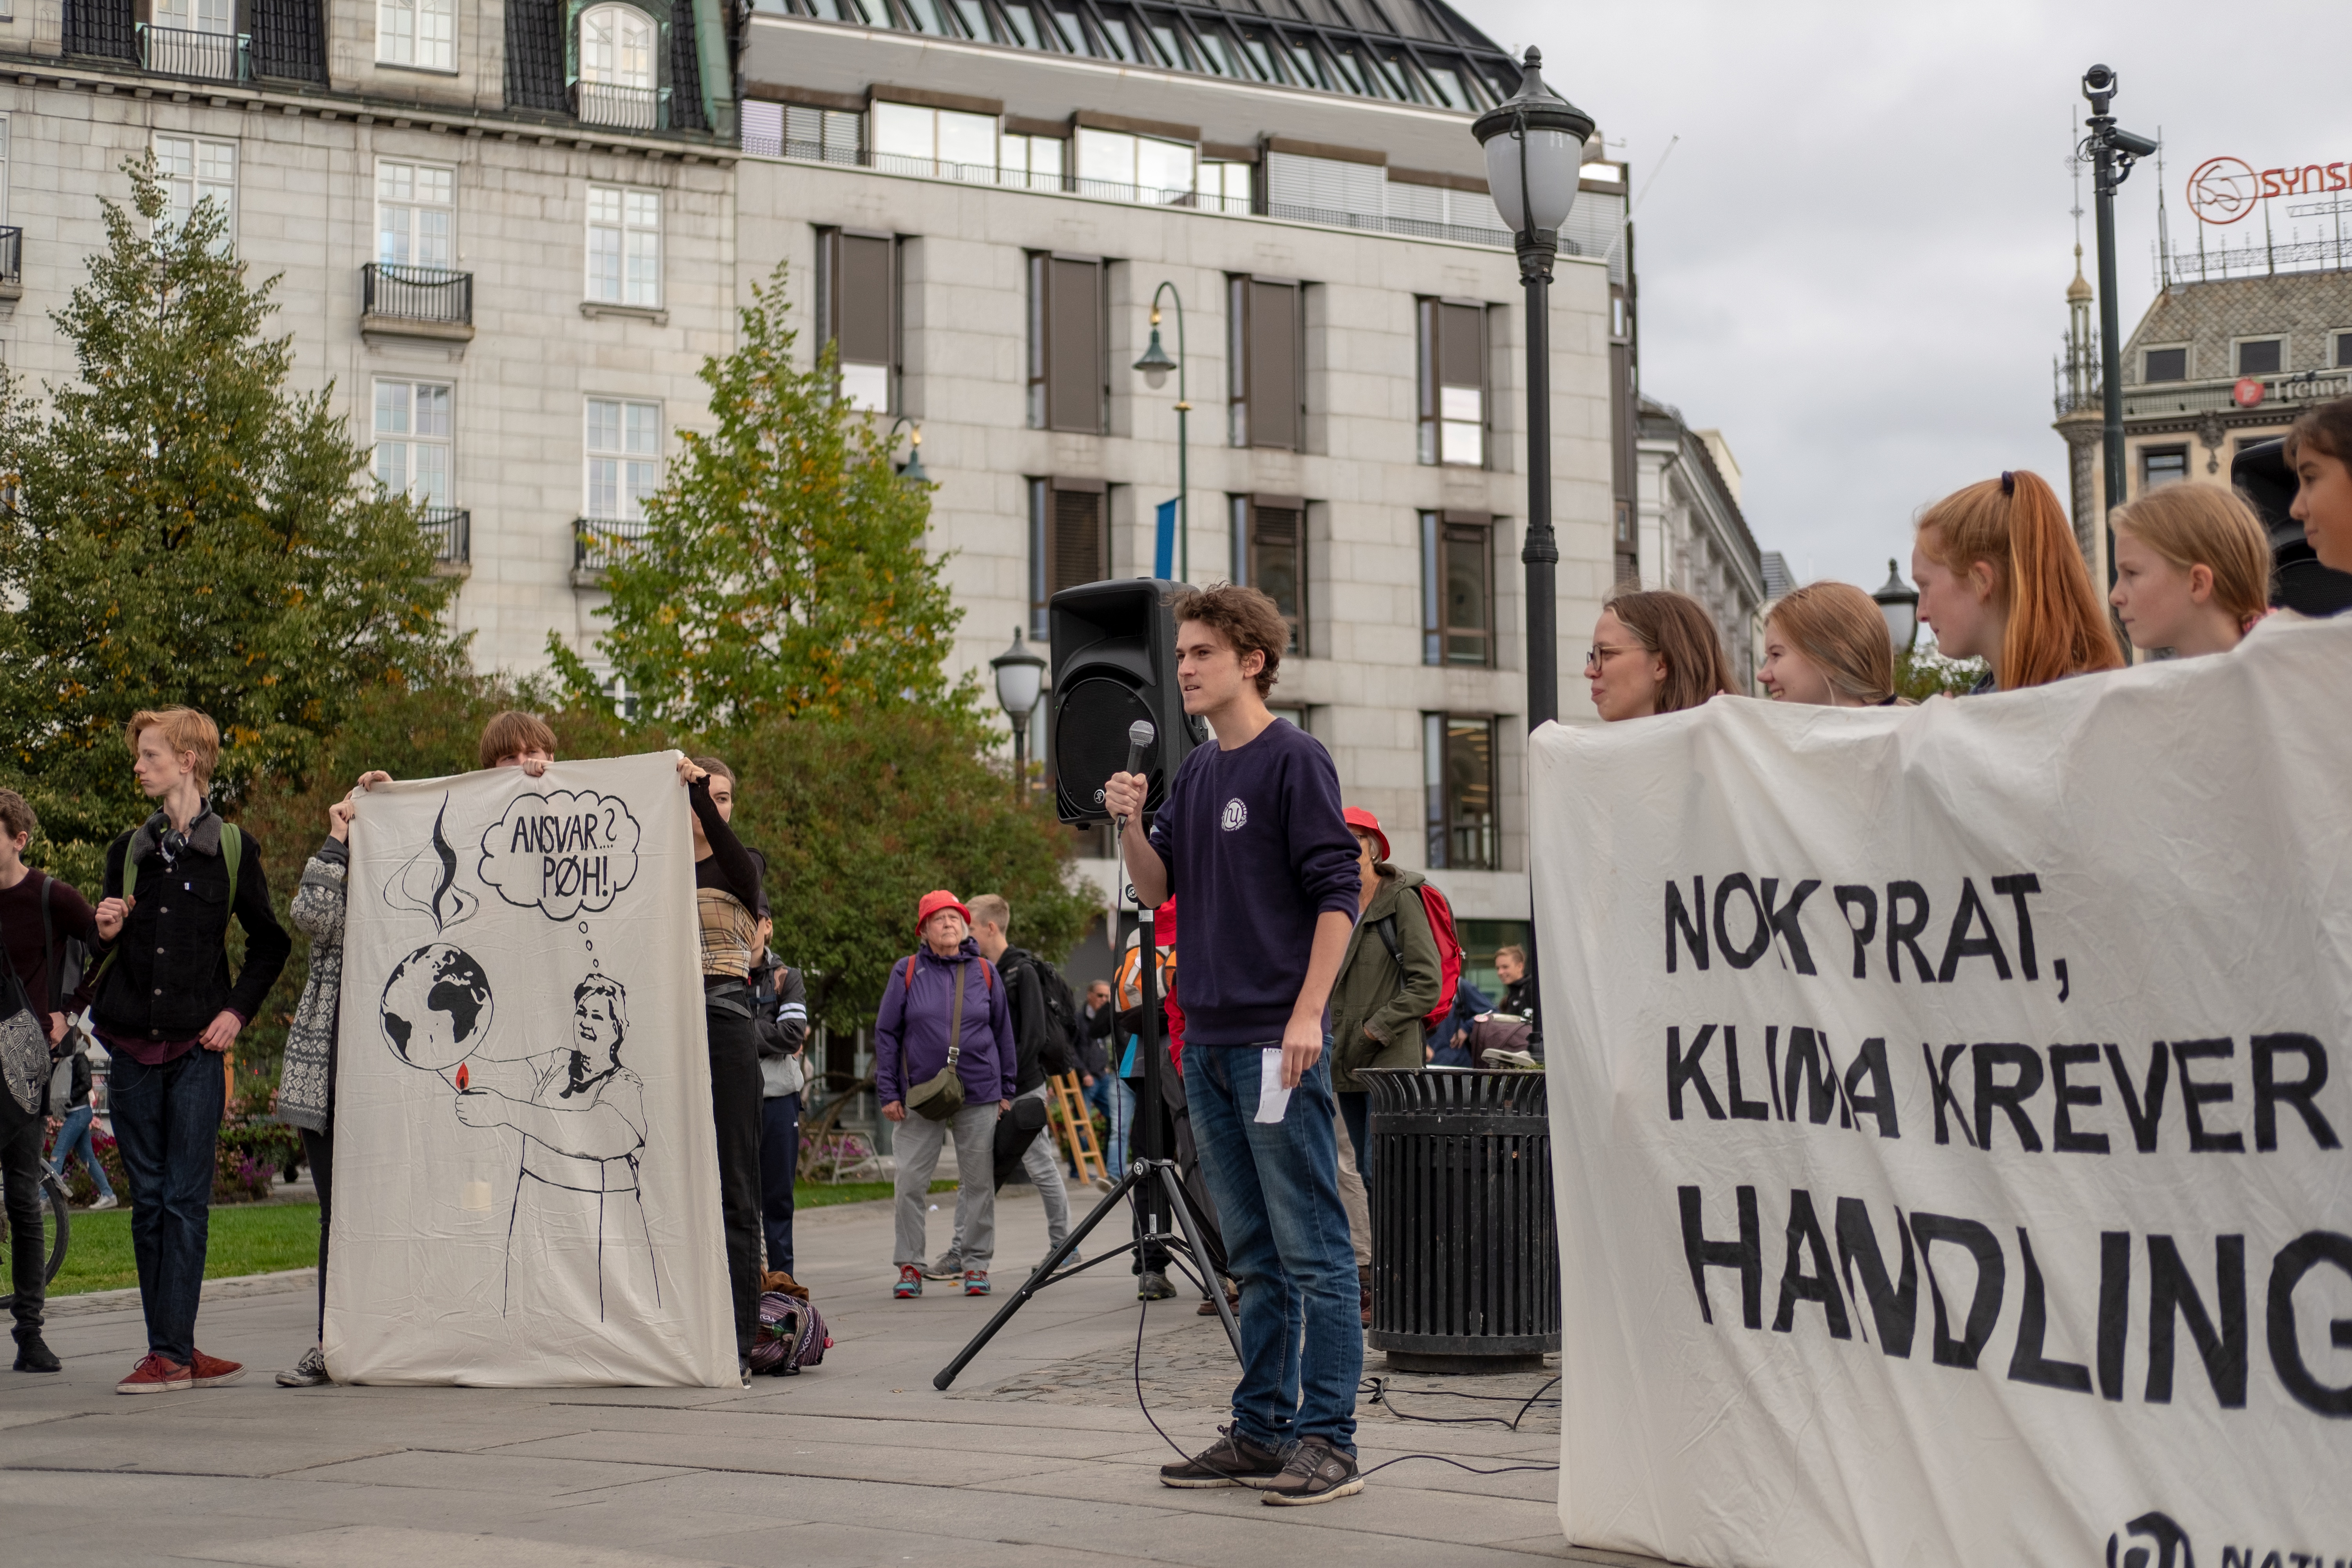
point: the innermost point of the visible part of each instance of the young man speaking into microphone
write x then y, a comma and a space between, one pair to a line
1252, 838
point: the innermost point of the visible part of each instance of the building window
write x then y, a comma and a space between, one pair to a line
2166, 364
1035, 162
2344, 351
421, 33
412, 440
2262, 357
1270, 556
195, 169
2162, 466
1267, 353
624, 447
1457, 575
616, 47
1134, 168
1069, 542
1224, 186
1458, 768
623, 246
1067, 390
1453, 398
1292, 711
857, 300
949, 143
415, 215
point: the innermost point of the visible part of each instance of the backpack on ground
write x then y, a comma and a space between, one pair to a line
791, 1335
1449, 951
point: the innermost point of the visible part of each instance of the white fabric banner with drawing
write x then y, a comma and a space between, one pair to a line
526, 1183
1949, 1109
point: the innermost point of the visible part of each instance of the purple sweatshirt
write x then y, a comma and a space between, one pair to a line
1257, 851
910, 1034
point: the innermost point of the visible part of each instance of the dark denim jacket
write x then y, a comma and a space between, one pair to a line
169, 976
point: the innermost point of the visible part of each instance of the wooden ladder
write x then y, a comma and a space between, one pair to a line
1074, 1124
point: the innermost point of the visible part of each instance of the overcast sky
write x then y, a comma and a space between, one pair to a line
1854, 262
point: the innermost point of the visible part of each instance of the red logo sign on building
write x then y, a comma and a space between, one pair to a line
2247, 393
2223, 190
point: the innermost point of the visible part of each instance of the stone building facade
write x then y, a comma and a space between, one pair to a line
1693, 537
506, 233
2216, 366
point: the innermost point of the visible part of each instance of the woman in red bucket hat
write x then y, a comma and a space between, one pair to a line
944, 1006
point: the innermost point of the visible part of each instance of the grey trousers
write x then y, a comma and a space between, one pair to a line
1353, 1199
917, 1142
1041, 1161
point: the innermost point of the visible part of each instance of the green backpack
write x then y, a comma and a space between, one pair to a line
231, 854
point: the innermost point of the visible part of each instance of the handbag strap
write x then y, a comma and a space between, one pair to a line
955, 1018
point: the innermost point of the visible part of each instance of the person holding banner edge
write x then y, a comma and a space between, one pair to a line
1251, 835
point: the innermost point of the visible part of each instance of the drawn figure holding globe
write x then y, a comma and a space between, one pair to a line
578, 1227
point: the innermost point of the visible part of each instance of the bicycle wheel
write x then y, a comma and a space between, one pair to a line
61, 1225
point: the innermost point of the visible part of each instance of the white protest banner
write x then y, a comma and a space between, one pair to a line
1948, 1109
526, 1182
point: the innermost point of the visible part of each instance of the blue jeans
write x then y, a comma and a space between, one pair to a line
1276, 1187
1099, 1099
780, 1159
74, 1139
167, 1126
1122, 1123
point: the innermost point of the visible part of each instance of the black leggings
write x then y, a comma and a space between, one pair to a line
735, 1109
319, 1153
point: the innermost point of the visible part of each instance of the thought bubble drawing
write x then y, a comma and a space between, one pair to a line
428, 883
437, 1008
562, 853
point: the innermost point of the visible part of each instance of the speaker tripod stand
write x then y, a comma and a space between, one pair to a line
1152, 1185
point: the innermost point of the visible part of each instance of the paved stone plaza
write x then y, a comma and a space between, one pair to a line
1037, 1457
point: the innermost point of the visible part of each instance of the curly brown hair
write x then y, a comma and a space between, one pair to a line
1245, 618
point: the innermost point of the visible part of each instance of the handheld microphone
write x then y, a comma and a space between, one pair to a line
1140, 735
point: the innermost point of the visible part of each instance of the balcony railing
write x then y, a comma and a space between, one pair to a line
183, 51
629, 107
451, 529
432, 295
12, 258
597, 541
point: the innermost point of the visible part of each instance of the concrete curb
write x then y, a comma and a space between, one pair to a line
230, 1290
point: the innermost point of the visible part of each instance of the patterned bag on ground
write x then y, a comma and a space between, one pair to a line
791, 1335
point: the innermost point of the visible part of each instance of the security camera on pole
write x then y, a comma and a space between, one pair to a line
2112, 152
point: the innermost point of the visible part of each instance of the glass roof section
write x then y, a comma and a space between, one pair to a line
1406, 52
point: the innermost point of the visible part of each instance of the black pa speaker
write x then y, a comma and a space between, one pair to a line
1114, 646
2298, 582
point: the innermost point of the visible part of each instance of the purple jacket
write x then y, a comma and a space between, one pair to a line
910, 1034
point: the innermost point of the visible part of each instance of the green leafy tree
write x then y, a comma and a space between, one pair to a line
179, 528
1923, 673
782, 568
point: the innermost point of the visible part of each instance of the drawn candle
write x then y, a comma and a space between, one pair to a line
475, 1194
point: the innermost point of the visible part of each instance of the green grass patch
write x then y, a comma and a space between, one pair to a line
266, 1238
824, 1194
244, 1238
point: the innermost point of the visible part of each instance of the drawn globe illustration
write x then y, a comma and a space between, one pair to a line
436, 1007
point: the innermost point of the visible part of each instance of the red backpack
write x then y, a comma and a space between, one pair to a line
1449, 951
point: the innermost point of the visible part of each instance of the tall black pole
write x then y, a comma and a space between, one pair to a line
2111, 377
1020, 759
1540, 555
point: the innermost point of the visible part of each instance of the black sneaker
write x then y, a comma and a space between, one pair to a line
33, 1355
1153, 1287
1317, 1471
1233, 1460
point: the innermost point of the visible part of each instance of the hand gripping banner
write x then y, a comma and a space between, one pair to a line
1949, 1115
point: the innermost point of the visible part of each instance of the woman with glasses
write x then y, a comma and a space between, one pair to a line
1653, 651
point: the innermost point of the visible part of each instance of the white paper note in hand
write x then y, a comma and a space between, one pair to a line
1273, 1099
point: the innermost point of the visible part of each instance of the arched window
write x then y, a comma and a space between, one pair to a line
616, 47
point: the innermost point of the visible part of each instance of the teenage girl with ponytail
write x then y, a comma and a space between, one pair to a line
2000, 579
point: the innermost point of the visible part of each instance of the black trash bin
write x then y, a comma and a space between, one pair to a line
1465, 1255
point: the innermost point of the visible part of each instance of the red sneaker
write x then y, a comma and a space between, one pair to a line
909, 1285
211, 1371
154, 1374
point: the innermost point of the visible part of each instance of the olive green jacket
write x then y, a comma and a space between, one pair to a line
1376, 1009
